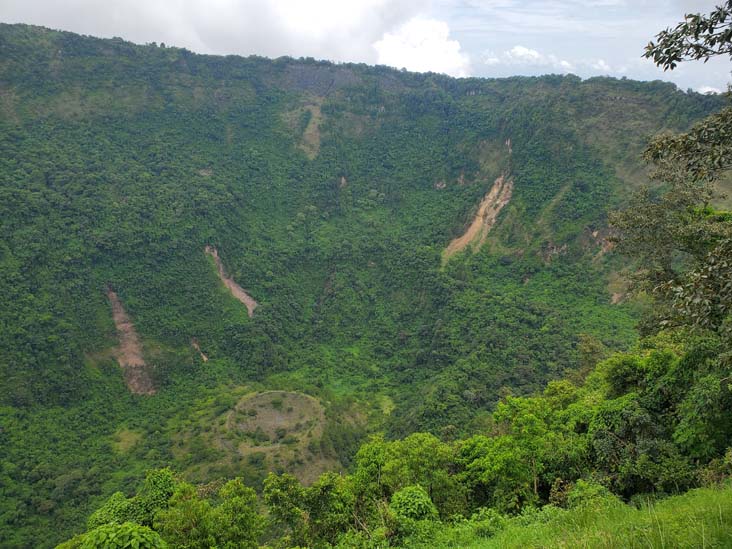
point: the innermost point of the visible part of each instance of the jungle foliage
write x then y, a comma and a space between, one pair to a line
583, 463
119, 163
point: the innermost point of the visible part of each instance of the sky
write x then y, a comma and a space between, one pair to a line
490, 38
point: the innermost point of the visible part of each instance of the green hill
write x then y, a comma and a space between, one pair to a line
330, 194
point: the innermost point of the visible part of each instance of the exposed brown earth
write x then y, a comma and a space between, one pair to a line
237, 291
129, 351
618, 287
601, 239
197, 347
605, 247
485, 218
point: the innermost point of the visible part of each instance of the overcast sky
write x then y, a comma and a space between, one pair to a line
457, 37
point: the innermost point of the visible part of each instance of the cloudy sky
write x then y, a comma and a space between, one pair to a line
457, 37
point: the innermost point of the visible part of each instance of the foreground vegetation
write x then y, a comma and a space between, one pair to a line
549, 470
699, 518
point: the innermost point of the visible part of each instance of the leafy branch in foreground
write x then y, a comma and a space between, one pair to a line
701, 155
683, 245
698, 37
684, 249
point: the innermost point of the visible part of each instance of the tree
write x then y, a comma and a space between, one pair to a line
154, 495
330, 508
498, 471
683, 245
285, 498
698, 37
236, 520
116, 510
423, 459
315, 516
412, 512
188, 520
141, 509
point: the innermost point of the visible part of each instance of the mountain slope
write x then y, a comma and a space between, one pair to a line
329, 192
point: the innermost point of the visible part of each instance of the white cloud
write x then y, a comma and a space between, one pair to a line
326, 29
521, 56
423, 45
708, 89
523, 60
602, 66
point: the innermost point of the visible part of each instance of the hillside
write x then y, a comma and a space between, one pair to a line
181, 231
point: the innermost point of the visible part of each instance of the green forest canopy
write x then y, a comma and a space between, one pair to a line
330, 193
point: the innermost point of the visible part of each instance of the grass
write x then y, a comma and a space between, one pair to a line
700, 518
125, 439
310, 143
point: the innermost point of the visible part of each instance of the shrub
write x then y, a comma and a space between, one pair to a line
586, 493
412, 502
487, 522
117, 536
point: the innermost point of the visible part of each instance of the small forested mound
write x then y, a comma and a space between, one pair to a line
269, 431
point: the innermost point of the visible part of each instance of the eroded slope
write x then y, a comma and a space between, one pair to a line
485, 218
237, 291
129, 351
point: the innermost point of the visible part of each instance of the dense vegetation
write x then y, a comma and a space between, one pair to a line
330, 193
642, 425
